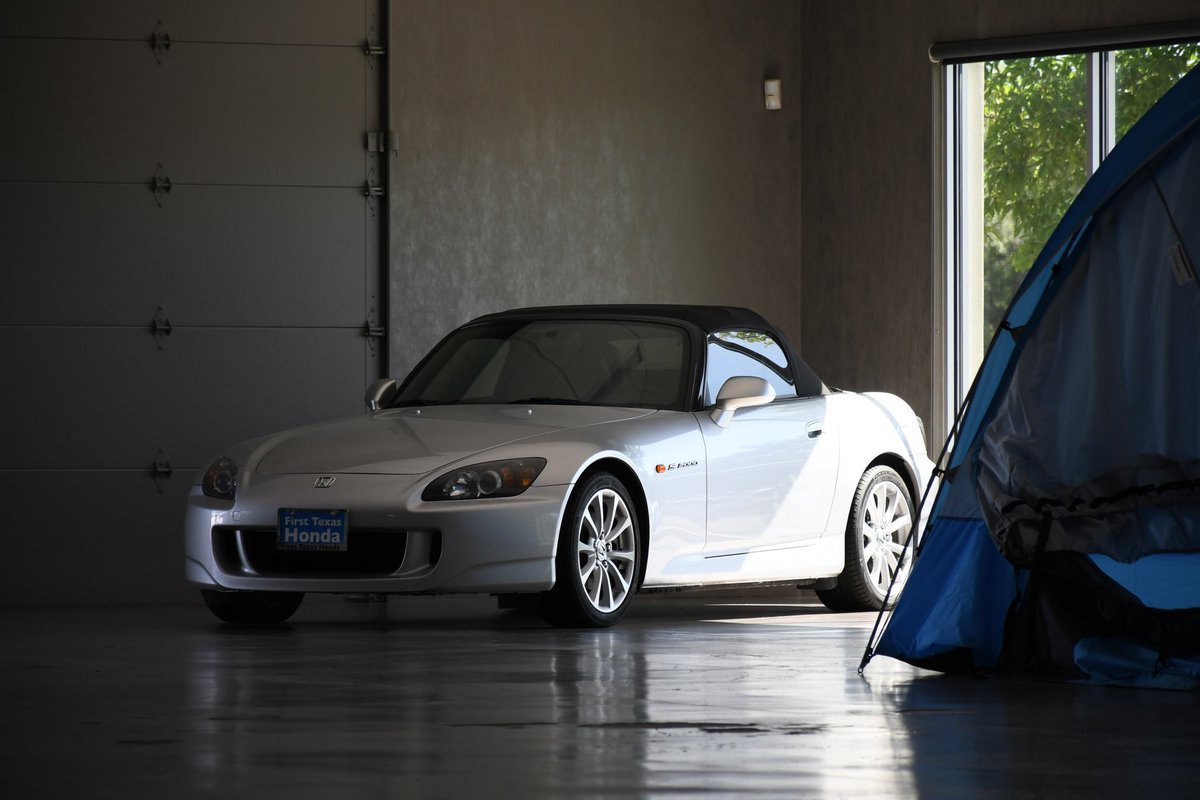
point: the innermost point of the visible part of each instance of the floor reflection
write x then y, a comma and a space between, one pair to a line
734, 697
441, 699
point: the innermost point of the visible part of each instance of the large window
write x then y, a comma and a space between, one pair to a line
1023, 136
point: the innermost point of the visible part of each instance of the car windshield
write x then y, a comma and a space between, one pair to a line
583, 362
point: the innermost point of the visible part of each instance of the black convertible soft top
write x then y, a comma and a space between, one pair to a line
705, 319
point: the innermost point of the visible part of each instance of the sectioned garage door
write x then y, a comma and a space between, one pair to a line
190, 257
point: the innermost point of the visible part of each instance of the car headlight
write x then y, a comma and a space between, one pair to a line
221, 479
492, 479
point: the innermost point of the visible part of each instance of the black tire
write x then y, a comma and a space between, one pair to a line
598, 560
881, 503
252, 607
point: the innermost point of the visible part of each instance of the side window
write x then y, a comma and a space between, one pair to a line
739, 352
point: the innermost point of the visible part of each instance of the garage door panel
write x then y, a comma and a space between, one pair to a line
210, 113
93, 537
213, 255
330, 22
104, 398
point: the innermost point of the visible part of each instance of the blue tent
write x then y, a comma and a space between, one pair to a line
1064, 538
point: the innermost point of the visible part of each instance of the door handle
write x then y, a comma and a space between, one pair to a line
815, 428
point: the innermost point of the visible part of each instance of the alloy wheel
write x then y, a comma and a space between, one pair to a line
607, 551
887, 522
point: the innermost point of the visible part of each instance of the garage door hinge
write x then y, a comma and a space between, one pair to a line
382, 142
160, 470
372, 190
160, 184
373, 330
373, 49
160, 326
160, 42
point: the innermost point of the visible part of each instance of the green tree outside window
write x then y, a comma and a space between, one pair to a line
1035, 149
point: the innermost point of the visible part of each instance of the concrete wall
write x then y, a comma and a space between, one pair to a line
869, 98
569, 152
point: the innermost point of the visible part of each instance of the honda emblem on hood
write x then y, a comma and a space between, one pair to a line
324, 482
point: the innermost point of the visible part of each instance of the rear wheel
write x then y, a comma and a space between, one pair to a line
880, 523
597, 563
252, 607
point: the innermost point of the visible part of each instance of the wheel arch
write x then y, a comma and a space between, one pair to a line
637, 493
903, 469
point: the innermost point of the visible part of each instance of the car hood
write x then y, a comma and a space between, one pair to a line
411, 441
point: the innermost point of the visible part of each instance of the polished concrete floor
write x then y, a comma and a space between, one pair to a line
421, 697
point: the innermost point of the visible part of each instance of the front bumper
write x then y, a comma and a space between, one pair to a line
500, 545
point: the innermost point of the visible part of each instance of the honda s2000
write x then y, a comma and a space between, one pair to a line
569, 458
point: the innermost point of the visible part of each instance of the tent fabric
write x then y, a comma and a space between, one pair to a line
1123, 663
1063, 537
954, 618
1166, 581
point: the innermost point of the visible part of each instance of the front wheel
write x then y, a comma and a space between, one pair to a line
252, 607
880, 523
598, 555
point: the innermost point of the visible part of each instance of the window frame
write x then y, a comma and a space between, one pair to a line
787, 373
954, 371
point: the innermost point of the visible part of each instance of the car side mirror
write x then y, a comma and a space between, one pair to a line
380, 393
740, 392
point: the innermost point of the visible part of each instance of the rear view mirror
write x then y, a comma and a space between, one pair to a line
740, 392
380, 393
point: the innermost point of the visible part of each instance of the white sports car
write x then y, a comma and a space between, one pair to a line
569, 458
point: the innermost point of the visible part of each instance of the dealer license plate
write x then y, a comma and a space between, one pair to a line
309, 529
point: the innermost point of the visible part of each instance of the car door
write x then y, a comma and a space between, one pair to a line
772, 471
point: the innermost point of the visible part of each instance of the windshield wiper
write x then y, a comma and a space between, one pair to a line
419, 402
547, 401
